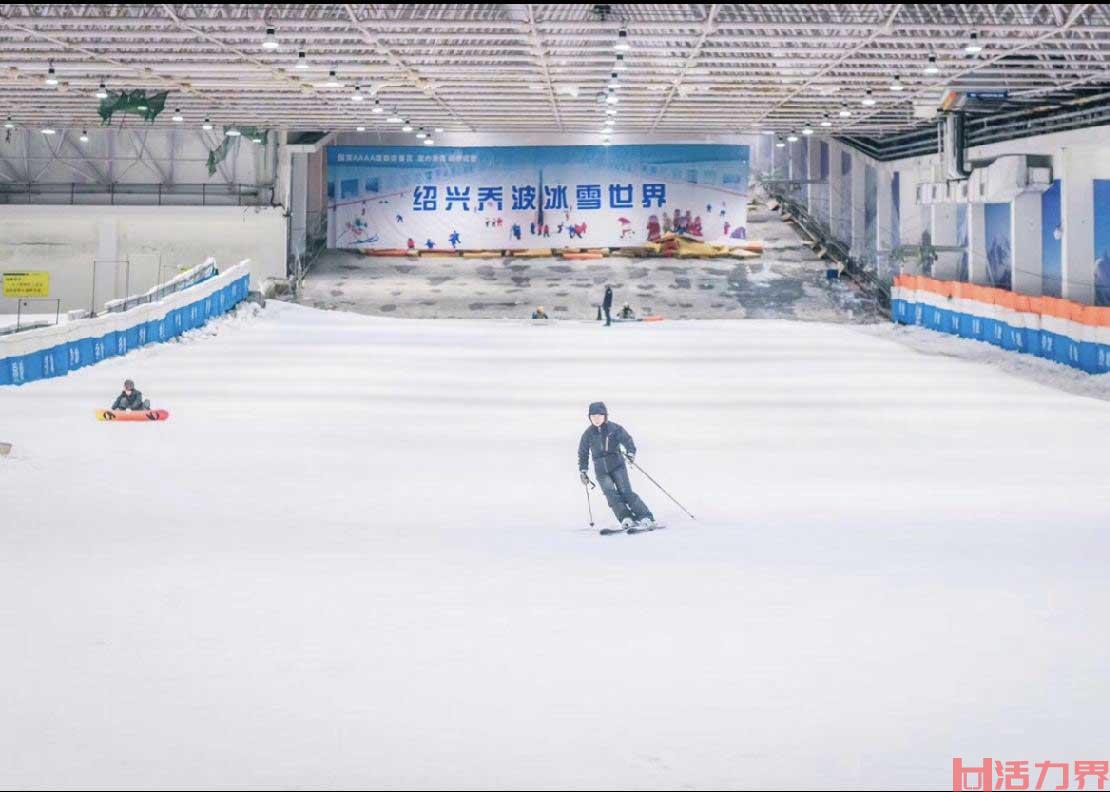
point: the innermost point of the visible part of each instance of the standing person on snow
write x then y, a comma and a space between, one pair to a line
130, 399
604, 441
607, 303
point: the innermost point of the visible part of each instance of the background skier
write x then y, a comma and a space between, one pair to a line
607, 303
607, 443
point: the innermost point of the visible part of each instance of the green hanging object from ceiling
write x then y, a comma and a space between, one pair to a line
219, 154
136, 102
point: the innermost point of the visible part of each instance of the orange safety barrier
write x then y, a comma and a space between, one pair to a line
1094, 316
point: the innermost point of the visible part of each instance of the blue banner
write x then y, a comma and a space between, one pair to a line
482, 198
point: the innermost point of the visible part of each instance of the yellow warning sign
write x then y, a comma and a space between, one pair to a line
26, 284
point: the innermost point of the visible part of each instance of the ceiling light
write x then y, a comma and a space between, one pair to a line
867, 100
439, 129
931, 67
357, 95
177, 116
233, 132
84, 136
897, 84
780, 144
207, 126
142, 108
622, 41
612, 97
393, 120
9, 124
620, 63
845, 113
333, 81
429, 142
973, 46
807, 131
377, 109
422, 134
102, 91
768, 131
51, 77
610, 111
48, 130
360, 129
270, 42
302, 61
826, 123
407, 127
610, 122
792, 138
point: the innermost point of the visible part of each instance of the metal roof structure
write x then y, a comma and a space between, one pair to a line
674, 69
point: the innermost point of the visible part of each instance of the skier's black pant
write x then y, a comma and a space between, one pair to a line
608, 319
622, 500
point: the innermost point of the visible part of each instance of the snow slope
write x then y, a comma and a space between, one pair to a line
356, 556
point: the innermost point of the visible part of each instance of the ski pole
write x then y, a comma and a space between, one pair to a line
589, 504
660, 486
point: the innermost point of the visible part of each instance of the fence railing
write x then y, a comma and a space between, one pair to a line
136, 194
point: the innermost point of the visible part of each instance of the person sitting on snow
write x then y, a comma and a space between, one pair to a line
130, 399
539, 313
626, 312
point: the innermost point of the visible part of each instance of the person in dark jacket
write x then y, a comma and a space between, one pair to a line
608, 444
130, 399
607, 303
627, 312
539, 313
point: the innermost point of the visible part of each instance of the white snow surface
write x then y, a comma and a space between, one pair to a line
357, 556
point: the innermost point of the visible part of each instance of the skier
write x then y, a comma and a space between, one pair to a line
539, 313
627, 312
130, 399
608, 443
607, 303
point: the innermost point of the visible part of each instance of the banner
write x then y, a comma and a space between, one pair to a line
491, 198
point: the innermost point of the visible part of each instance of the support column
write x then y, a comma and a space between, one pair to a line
977, 244
943, 233
839, 191
1025, 220
1077, 209
814, 192
859, 199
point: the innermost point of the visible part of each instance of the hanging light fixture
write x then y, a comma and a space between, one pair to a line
613, 80
207, 125
270, 42
102, 91
621, 66
610, 111
931, 66
394, 119
257, 139
357, 95
232, 132
177, 116
845, 113
807, 131
612, 97
360, 129
302, 61
84, 136
973, 46
377, 109
897, 84
768, 131
429, 142
51, 77
792, 138
867, 99
142, 107
780, 144
825, 122
622, 44
407, 127
422, 134
9, 124
48, 130
439, 130
333, 80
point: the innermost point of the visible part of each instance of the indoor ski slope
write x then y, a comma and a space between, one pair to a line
357, 555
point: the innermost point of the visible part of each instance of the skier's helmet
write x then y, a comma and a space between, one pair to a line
128, 385
598, 408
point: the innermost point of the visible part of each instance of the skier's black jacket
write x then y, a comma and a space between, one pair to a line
132, 402
603, 443
608, 301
